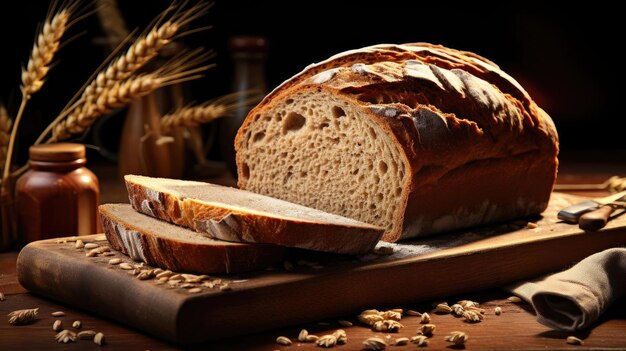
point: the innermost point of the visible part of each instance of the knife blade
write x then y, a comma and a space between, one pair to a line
571, 214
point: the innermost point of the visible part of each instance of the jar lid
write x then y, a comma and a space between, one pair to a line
59, 152
248, 43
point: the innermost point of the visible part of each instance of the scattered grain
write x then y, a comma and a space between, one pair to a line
125, 266
413, 313
401, 341
425, 318
77, 324
65, 336
341, 336
531, 225
115, 261
303, 334
195, 290
23, 316
514, 299
374, 344
225, 287
391, 314
472, 316
312, 338
57, 326
90, 246
2, 297
457, 338
164, 274
58, 314
326, 341
99, 339
420, 340
145, 274
427, 329
443, 308
344, 323
572, 340
387, 325
498, 310
79, 244
283, 340
86, 334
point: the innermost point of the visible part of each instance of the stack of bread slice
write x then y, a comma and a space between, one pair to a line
206, 228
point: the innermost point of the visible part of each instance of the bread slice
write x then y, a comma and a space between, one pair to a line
417, 138
240, 216
172, 247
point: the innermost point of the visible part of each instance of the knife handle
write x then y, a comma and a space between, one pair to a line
596, 219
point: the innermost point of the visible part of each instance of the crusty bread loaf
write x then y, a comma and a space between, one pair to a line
416, 138
235, 215
168, 246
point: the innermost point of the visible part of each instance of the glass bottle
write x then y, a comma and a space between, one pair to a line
249, 54
57, 196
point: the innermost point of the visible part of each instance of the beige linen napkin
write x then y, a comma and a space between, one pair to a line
575, 298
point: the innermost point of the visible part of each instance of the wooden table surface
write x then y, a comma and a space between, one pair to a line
515, 329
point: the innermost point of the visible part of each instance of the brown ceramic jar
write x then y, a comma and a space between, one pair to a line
58, 196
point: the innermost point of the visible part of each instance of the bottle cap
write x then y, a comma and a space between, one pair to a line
59, 152
247, 43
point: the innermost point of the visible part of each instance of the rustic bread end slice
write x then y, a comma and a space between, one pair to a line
171, 247
235, 215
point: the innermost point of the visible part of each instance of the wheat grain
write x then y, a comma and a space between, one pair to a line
99, 339
65, 336
327, 341
572, 340
283, 340
341, 336
86, 334
374, 344
457, 338
57, 326
23, 316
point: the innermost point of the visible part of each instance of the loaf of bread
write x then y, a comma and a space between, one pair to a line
168, 246
235, 215
416, 138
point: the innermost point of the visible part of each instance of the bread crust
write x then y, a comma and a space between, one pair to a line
477, 148
180, 256
249, 227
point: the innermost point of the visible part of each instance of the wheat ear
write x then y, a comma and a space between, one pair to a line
165, 28
5, 132
193, 116
46, 45
145, 48
180, 69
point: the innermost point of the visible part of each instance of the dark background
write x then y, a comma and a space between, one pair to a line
562, 55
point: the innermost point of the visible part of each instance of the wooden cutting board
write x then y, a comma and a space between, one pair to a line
418, 270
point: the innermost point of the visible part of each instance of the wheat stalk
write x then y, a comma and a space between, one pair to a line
179, 69
5, 132
193, 116
165, 29
45, 47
